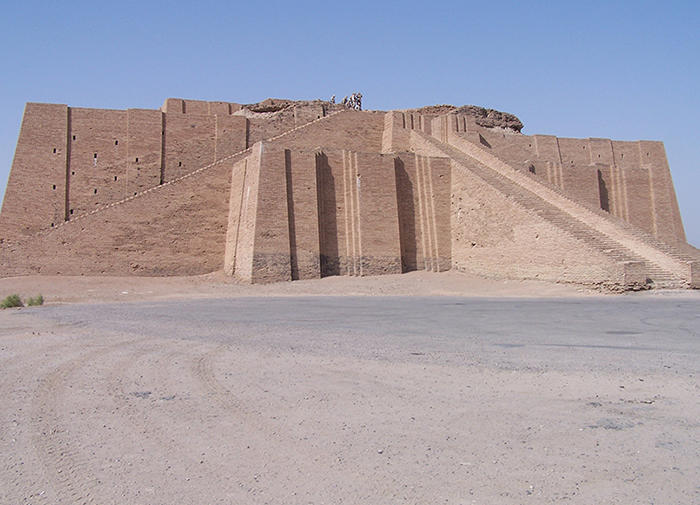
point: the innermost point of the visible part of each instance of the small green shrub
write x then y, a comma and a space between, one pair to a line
11, 301
37, 300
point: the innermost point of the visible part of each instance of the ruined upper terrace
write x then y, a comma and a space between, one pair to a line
484, 117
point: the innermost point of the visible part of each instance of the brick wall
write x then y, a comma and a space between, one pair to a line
267, 126
189, 143
495, 238
243, 206
98, 153
144, 150
359, 131
35, 197
423, 187
335, 212
588, 169
271, 241
177, 229
302, 214
338, 196
666, 216
72, 161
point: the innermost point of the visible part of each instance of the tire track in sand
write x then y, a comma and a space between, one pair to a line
277, 441
68, 468
271, 427
171, 453
203, 371
20, 466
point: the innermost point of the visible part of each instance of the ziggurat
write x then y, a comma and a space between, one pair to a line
284, 190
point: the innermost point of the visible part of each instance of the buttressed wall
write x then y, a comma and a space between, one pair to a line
285, 190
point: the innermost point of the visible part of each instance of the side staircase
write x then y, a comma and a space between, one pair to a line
665, 266
230, 158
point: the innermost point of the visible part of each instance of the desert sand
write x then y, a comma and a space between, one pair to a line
417, 389
89, 289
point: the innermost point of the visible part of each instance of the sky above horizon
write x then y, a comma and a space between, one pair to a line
623, 70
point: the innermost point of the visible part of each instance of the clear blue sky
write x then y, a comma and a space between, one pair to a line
624, 70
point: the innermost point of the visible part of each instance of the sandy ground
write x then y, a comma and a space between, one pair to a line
193, 395
67, 289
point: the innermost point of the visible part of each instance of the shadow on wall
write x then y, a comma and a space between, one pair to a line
328, 220
603, 192
293, 253
483, 141
407, 219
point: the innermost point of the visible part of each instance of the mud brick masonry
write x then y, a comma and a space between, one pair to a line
284, 190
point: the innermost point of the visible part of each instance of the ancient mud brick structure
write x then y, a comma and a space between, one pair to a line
284, 190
